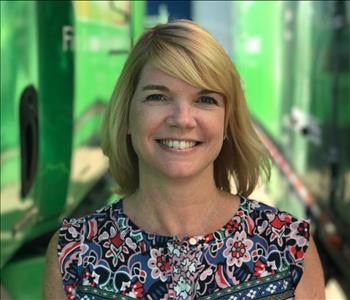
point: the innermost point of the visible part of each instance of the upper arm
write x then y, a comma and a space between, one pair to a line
311, 285
53, 286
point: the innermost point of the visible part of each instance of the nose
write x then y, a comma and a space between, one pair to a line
182, 116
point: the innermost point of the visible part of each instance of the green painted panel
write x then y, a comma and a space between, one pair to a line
23, 279
56, 74
18, 71
257, 55
103, 35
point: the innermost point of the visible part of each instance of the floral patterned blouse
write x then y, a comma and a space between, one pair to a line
258, 254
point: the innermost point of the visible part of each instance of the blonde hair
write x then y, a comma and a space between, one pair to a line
186, 51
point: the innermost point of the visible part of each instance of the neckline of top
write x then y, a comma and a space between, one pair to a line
228, 226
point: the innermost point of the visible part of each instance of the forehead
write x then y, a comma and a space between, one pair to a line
151, 75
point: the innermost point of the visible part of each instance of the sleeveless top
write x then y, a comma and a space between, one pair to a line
258, 254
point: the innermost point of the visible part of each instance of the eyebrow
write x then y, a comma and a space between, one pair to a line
155, 87
165, 89
203, 92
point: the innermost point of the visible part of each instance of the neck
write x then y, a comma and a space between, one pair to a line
185, 208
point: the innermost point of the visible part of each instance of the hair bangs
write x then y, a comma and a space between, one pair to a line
182, 64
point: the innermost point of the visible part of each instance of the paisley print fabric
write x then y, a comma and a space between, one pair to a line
258, 254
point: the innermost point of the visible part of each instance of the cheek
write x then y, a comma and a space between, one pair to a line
141, 123
215, 126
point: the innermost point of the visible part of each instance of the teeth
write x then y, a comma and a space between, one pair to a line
178, 144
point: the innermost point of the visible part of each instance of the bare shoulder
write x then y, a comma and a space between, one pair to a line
311, 285
53, 287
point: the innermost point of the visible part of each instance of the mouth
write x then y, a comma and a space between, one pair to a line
178, 144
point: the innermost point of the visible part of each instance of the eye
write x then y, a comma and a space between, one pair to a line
156, 97
207, 100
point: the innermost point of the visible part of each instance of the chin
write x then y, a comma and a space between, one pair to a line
184, 172
178, 174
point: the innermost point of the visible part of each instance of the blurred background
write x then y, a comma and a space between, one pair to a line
60, 61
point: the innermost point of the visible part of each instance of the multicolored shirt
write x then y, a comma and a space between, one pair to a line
258, 254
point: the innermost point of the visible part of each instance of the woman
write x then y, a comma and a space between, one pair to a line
178, 135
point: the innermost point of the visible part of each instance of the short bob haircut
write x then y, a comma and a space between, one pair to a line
188, 52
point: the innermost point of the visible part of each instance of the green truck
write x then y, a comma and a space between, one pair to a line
59, 64
294, 59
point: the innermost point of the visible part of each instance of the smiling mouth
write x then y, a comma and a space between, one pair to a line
178, 144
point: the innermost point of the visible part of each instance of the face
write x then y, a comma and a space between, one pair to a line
176, 129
